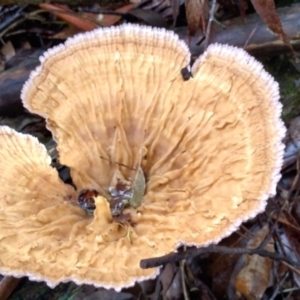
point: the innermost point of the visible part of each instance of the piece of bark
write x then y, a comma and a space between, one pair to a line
252, 35
12, 80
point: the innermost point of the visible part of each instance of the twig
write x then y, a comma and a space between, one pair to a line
271, 231
291, 268
175, 257
32, 16
294, 184
279, 286
183, 283
12, 18
288, 290
231, 291
211, 19
250, 35
201, 286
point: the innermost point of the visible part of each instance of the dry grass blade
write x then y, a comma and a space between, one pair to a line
211, 19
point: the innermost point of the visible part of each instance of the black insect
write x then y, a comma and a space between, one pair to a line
186, 73
119, 197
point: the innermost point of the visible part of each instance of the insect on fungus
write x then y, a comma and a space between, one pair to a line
86, 200
186, 73
213, 145
120, 196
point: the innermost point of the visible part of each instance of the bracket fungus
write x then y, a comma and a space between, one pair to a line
158, 161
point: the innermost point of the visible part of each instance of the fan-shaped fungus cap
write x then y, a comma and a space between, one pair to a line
209, 147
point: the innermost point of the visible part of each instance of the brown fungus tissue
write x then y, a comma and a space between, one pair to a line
158, 161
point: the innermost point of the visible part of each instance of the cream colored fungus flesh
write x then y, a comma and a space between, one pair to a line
210, 149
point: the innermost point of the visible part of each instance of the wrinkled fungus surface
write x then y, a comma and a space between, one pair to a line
209, 147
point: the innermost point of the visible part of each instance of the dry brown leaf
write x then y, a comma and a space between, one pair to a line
65, 33
197, 13
109, 20
63, 13
267, 11
84, 21
166, 277
175, 290
254, 278
8, 50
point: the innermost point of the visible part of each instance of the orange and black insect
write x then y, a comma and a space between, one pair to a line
86, 200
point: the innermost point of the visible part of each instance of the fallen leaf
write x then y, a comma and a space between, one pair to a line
267, 11
175, 290
8, 50
65, 33
63, 13
193, 15
110, 19
86, 21
166, 277
255, 277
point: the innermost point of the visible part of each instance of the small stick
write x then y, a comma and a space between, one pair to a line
122, 165
211, 19
175, 257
